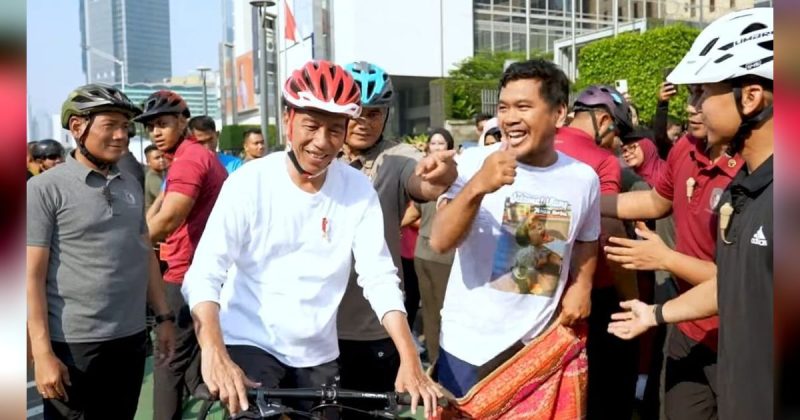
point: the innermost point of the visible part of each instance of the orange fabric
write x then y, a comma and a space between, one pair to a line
545, 380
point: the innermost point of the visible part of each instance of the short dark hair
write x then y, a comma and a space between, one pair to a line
150, 149
203, 123
250, 131
554, 87
482, 116
447, 137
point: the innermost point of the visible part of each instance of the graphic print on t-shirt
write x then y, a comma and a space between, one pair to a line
531, 246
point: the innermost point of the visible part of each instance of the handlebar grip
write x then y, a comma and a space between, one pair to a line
405, 399
202, 393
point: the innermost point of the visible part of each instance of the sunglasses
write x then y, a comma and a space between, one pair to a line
54, 157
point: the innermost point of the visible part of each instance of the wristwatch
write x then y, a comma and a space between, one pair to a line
169, 316
658, 311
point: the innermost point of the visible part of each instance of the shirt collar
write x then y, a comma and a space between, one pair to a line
754, 183
366, 159
730, 165
568, 133
82, 171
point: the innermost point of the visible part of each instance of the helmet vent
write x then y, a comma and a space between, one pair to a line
339, 89
767, 45
370, 88
753, 27
323, 87
708, 47
723, 58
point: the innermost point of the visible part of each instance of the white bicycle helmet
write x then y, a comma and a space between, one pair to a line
735, 45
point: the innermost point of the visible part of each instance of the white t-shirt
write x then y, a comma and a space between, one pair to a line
289, 254
509, 273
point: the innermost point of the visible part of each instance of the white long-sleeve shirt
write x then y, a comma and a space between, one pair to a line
288, 272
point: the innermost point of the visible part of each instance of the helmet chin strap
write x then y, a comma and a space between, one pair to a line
99, 163
748, 123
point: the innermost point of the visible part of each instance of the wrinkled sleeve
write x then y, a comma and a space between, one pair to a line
377, 274
226, 231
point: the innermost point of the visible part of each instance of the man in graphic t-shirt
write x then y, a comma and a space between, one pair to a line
522, 218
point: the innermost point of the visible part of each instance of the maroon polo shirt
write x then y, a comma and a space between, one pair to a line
195, 172
579, 145
696, 217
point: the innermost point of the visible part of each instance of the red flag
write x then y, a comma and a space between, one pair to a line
291, 25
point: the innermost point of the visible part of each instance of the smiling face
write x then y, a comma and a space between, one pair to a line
527, 120
633, 154
363, 132
316, 137
108, 135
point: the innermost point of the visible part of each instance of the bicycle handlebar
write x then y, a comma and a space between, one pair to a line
323, 393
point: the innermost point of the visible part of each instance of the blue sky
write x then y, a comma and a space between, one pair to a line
54, 56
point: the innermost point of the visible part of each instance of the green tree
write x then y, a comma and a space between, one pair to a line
473, 74
641, 59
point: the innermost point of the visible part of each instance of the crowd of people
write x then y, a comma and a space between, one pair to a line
541, 258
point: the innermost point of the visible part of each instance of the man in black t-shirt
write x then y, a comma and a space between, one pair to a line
733, 61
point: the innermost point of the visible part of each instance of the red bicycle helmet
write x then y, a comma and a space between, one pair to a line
325, 86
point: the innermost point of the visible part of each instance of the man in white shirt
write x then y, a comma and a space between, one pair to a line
524, 220
288, 224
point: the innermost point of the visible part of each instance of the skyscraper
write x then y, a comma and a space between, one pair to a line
133, 33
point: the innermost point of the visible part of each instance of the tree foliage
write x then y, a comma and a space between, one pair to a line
489, 66
462, 90
641, 59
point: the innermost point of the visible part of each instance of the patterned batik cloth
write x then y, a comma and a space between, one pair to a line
545, 380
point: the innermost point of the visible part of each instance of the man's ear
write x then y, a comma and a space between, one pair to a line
754, 98
76, 126
561, 115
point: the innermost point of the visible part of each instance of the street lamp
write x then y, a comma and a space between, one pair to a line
269, 22
203, 70
110, 57
234, 87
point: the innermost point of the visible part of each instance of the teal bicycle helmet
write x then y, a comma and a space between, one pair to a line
375, 83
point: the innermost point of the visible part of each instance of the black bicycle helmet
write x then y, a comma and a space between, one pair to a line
43, 149
163, 102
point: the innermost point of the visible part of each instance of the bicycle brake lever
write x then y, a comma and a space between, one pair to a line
268, 409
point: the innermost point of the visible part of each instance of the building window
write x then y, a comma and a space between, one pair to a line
733, 4
711, 6
636, 10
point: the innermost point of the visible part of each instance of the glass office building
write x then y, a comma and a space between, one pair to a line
130, 33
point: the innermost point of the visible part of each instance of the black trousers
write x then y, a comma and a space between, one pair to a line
182, 373
613, 362
264, 368
411, 287
689, 379
368, 366
106, 379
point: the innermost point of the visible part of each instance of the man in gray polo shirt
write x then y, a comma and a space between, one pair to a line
90, 269
368, 358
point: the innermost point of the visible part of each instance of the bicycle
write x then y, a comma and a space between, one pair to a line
263, 404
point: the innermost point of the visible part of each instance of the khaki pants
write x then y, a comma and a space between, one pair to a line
433, 278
